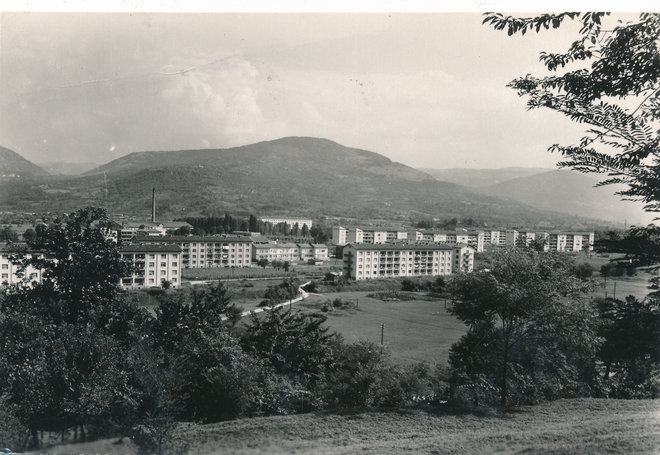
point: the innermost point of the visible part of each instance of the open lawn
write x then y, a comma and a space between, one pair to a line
414, 331
581, 426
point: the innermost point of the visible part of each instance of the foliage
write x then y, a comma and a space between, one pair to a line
295, 344
363, 377
624, 65
584, 270
63, 340
631, 332
529, 337
286, 290
7, 234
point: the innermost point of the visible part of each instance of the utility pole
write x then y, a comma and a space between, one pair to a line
382, 333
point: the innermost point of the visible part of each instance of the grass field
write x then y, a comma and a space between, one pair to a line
414, 331
582, 426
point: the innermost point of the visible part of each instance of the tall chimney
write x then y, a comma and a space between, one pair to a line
153, 206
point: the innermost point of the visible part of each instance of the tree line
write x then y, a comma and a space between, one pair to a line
228, 223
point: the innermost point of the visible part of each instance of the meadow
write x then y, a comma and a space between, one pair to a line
580, 426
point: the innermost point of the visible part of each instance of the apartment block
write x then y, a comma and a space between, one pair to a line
154, 264
10, 273
292, 252
339, 235
369, 261
208, 251
569, 241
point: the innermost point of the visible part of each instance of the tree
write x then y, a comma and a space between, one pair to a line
529, 334
624, 66
29, 235
64, 339
7, 234
631, 330
263, 262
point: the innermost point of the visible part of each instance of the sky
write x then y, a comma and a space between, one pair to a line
425, 89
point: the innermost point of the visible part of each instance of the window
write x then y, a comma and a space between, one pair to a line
174, 264
5, 275
173, 280
152, 256
174, 272
152, 264
5, 266
151, 272
33, 276
151, 281
162, 272
163, 256
163, 264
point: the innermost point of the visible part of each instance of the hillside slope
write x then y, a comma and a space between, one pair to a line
13, 164
569, 192
290, 176
477, 178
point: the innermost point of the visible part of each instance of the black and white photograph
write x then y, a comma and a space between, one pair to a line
329, 229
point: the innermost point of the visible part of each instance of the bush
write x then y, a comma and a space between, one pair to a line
363, 377
584, 271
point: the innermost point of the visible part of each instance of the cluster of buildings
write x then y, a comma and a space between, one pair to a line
479, 239
159, 258
376, 253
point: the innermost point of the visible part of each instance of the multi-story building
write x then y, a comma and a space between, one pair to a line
292, 252
289, 221
516, 237
276, 252
154, 264
208, 251
9, 273
493, 238
570, 241
339, 235
368, 261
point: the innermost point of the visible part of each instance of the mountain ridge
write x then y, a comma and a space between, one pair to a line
14, 165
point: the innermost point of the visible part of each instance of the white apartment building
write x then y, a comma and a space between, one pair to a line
208, 251
154, 264
515, 237
339, 235
369, 261
291, 252
569, 241
9, 273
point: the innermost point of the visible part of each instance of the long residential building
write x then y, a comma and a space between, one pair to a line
343, 236
364, 261
208, 251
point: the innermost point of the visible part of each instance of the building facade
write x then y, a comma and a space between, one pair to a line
153, 265
10, 273
369, 261
208, 251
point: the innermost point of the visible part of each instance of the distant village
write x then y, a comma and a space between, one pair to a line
159, 256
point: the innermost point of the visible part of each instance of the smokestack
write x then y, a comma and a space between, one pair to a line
153, 206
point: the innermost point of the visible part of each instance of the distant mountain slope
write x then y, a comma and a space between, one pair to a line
291, 176
569, 192
13, 164
64, 168
286, 157
476, 178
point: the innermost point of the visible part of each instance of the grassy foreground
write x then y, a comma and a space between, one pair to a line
584, 426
